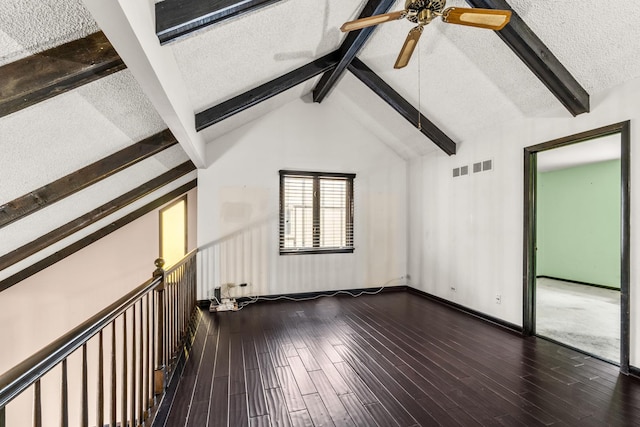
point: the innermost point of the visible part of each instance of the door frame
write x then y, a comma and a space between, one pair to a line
529, 241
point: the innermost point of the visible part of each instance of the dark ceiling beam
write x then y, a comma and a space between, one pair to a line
177, 18
97, 235
401, 105
84, 177
35, 78
540, 60
352, 44
95, 215
261, 93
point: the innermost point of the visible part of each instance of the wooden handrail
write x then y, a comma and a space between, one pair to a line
17, 379
154, 323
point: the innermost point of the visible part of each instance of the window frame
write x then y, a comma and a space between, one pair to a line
349, 218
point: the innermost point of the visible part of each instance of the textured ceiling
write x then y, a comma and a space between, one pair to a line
31, 26
598, 42
236, 55
72, 130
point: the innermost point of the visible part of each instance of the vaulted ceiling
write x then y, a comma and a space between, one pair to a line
203, 69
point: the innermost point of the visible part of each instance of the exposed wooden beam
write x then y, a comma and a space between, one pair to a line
86, 241
252, 97
401, 105
540, 60
93, 216
177, 18
154, 67
41, 76
84, 177
352, 44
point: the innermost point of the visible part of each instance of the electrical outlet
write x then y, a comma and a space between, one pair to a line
498, 299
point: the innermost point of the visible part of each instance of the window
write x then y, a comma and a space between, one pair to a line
316, 212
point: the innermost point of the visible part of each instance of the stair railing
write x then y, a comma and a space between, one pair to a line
119, 359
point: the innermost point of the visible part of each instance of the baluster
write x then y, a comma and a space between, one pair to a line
85, 395
123, 409
113, 375
100, 394
154, 350
150, 347
37, 405
3, 422
161, 330
64, 401
141, 370
132, 406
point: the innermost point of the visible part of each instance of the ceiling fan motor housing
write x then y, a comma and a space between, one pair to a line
423, 11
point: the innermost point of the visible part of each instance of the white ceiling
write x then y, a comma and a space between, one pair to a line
229, 58
463, 79
72, 130
31, 26
592, 151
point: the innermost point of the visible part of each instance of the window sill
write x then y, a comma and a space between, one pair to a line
316, 251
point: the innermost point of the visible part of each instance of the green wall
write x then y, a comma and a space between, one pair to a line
578, 223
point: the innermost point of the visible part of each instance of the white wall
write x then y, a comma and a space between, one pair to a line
48, 304
467, 232
239, 196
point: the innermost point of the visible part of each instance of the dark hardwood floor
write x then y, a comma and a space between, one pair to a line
393, 359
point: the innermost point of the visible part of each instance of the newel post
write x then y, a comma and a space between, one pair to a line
159, 376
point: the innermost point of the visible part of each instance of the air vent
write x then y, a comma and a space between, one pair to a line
487, 165
464, 170
456, 172
477, 167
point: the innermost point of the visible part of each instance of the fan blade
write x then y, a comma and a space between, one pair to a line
372, 20
408, 47
482, 18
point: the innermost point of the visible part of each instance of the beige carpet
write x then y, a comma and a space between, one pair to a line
585, 317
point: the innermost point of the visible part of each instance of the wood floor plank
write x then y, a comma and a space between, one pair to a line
329, 396
198, 413
356, 410
255, 394
219, 412
269, 378
303, 380
249, 352
317, 411
238, 410
290, 390
393, 359
356, 384
381, 415
301, 419
236, 365
385, 397
277, 407
308, 359
262, 421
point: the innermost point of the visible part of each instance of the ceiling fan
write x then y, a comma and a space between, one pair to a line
422, 12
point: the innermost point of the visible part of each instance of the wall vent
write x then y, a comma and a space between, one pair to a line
477, 167
487, 165
464, 170
456, 172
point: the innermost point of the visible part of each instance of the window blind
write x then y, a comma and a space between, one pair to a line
316, 212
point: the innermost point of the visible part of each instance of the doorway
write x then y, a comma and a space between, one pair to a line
173, 232
551, 306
